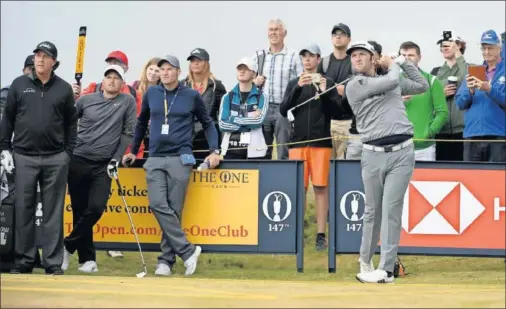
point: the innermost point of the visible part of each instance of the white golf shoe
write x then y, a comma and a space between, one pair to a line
66, 259
162, 270
88, 267
377, 276
191, 262
366, 267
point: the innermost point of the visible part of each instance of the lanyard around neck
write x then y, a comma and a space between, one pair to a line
171, 103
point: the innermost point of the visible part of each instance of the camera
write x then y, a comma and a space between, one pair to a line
447, 35
316, 78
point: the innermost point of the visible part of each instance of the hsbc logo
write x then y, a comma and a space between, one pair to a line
439, 208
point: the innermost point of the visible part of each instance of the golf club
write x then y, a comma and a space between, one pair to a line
142, 273
315, 97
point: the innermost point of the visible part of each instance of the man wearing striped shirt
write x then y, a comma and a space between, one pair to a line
276, 67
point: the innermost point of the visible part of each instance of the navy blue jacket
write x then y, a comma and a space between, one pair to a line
182, 112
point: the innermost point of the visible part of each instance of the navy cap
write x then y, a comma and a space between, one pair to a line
343, 28
199, 53
490, 37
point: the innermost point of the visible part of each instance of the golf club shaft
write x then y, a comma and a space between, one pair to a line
319, 94
131, 221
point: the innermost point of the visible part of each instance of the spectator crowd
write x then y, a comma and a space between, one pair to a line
293, 101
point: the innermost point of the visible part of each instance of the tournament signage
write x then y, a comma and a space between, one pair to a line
449, 209
239, 207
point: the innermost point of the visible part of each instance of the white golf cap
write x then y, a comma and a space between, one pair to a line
247, 62
361, 45
116, 68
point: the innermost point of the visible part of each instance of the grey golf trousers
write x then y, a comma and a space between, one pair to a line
51, 172
386, 177
167, 181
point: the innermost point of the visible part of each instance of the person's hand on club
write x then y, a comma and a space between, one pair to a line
305, 79
385, 62
112, 168
213, 159
259, 80
128, 159
6, 161
340, 89
76, 89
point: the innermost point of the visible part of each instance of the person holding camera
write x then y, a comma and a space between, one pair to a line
311, 121
451, 74
172, 109
40, 112
388, 157
484, 102
241, 116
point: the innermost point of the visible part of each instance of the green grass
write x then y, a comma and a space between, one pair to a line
421, 269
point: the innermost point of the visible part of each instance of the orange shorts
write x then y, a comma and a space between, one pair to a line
316, 163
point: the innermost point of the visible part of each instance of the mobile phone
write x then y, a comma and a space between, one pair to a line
447, 35
478, 71
316, 78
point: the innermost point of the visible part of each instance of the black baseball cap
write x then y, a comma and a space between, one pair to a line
343, 28
47, 47
199, 53
29, 61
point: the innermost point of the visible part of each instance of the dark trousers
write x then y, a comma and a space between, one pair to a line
89, 188
450, 151
50, 171
485, 151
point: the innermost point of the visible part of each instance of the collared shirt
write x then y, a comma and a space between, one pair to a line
278, 70
490, 74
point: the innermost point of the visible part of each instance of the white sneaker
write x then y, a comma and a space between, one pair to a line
162, 270
66, 259
115, 254
191, 262
366, 267
89, 267
377, 276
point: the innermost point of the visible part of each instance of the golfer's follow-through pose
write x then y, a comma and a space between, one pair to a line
388, 155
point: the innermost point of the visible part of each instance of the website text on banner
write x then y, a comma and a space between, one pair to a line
206, 218
449, 209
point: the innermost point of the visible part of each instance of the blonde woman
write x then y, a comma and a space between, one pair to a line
212, 90
149, 77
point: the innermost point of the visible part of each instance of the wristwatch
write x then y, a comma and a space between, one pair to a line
216, 151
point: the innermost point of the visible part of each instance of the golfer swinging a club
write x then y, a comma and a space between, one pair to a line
388, 157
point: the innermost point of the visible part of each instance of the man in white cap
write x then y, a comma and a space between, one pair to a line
40, 112
388, 156
106, 129
241, 115
171, 108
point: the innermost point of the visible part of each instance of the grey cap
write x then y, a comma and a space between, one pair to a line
172, 60
313, 49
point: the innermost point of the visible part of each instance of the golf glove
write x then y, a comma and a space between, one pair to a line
112, 168
7, 161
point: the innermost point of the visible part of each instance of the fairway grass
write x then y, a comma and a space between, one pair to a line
239, 280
